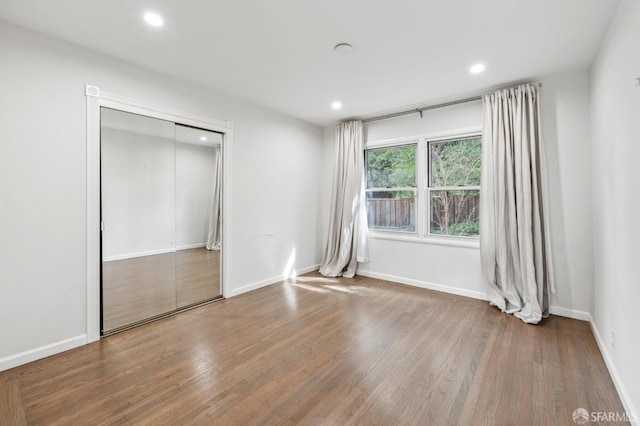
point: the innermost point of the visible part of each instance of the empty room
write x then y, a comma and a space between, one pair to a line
319, 212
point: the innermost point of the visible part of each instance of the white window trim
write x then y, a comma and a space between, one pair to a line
429, 189
415, 190
473, 243
422, 234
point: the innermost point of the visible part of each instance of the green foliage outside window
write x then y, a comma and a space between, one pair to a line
391, 167
455, 164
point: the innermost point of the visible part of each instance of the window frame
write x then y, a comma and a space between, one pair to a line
414, 189
423, 233
429, 188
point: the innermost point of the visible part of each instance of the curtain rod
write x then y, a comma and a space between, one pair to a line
422, 109
426, 108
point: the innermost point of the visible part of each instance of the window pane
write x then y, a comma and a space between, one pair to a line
391, 167
456, 163
392, 210
455, 213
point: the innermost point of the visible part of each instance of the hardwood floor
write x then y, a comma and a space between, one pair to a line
322, 351
143, 287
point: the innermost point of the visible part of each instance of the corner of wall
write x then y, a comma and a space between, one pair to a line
614, 103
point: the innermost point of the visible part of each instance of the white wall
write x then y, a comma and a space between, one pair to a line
564, 110
138, 193
565, 120
43, 185
615, 125
195, 183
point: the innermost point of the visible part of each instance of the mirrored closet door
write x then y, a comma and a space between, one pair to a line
198, 232
161, 216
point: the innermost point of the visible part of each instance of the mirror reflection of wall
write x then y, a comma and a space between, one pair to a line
161, 187
198, 190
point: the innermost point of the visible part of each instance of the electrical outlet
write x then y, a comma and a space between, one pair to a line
613, 340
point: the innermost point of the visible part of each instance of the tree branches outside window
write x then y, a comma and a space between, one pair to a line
454, 181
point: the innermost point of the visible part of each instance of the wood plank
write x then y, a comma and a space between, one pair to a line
138, 288
322, 350
11, 409
197, 275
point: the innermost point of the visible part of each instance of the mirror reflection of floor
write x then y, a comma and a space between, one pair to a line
143, 287
198, 275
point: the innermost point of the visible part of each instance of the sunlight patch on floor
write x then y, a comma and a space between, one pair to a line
330, 285
311, 288
340, 288
316, 280
291, 296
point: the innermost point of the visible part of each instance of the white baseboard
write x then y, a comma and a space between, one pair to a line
554, 310
138, 254
569, 313
613, 372
25, 357
273, 280
425, 284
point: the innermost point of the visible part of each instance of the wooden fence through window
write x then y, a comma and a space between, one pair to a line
392, 213
448, 209
399, 213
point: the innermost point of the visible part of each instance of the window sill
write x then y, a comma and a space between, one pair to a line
472, 243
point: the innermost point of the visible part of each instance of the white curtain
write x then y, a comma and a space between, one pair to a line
348, 231
514, 229
213, 238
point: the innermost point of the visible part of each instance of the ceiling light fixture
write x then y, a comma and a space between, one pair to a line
336, 105
343, 48
154, 19
203, 138
477, 69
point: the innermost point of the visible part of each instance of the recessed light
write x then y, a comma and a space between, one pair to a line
343, 48
476, 69
154, 19
336, 105
203, 138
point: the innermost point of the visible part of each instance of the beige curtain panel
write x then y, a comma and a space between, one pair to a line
214, 236
514, 230
348, 231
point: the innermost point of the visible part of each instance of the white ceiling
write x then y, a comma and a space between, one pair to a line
279, 53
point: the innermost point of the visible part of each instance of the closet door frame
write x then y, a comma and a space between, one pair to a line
96, 98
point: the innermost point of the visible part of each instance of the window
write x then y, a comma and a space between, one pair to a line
391, 188
454, 187
444, 173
